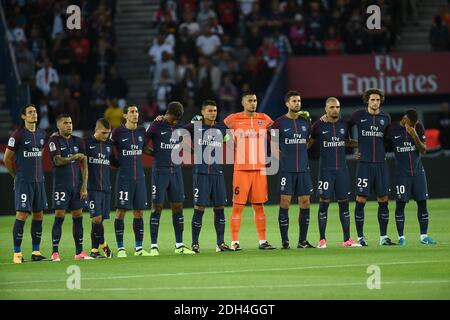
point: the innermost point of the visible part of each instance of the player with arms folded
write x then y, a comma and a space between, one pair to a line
70, 176
23, 159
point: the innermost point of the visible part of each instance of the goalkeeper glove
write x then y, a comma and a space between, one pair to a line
196, 118
304, 115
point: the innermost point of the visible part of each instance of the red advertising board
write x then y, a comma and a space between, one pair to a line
349, 76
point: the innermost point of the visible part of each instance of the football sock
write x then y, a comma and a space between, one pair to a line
178, 223
235, 221
138, 228
359, 218
219, 224
154, 226
56, 233
260, 220
383, 217
323, 218
344, 216
196, 225
97, 235
77, 231
283, 222
303, 221
36, 234
119, 228
400, 217
422, 215
18, 234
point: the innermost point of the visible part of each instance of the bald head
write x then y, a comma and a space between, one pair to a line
332, 108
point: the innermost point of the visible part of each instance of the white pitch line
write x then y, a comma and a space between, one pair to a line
153, 275
302, 285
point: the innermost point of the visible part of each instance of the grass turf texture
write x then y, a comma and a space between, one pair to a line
415, 271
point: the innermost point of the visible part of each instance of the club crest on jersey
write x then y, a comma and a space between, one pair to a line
108, 149
11, 142
52, 146
342, 131
259, 122
382, 122
303, 128
24, 205
75, 148
42, 142
140, 139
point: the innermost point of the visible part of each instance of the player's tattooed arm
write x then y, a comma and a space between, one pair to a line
419, 144
310, 142
9, 162
350, 143
84, 175
62, 161
147, 150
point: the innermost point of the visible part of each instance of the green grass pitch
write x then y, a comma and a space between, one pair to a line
415, 271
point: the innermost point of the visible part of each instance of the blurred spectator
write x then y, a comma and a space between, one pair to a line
44, 114
332, 44
36, 42
314, 47
166, 64
227, 11
186, 45
62, 57
357, 39
205, 13
45, 77
58, 20
444, 125
163, 92
439, 35
228, 96
227, 64
98, 99
281, 42
192, 26
156, 51
297, 35
246, 6
149, 109
70, 106
166, 9
209, 75
187, 86
268, 53
184, 65
215, 26
25, 62
81, 47
315, 23
208, 43
114, 114
190, 110
116, 87
240, 52
254, 39
103, 57
17, 33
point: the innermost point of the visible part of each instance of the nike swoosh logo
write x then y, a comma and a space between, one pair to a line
323, 132
92, 147
363, 120
63, 148
124, 139
164, 132
241, 122
396, 137
27, 142
285, 130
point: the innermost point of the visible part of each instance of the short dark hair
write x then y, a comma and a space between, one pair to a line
175, 108
23, 111
289, 94
125, 110
412, 115
206, 103
248, 93
104, 123
62, 115
370, 91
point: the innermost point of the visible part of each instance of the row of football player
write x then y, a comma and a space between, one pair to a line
130, 141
